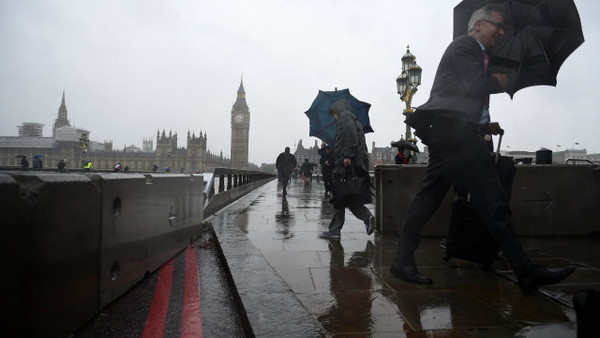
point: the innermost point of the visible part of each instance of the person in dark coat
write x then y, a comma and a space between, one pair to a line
37, 162
306, 169
24, 163
351, 154
401, 158
61, 165
327, 162
450, 124
285, 164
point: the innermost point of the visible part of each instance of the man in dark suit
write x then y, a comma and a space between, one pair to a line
285, 164
451, 123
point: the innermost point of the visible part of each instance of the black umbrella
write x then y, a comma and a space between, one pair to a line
402, 144
538, 38
21, 156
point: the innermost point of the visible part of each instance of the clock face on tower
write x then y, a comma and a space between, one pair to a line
238, 118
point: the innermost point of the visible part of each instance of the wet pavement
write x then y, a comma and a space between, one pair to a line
292, 283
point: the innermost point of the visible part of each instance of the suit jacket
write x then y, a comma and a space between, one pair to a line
460, 88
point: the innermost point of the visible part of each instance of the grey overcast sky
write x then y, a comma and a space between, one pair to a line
131, 68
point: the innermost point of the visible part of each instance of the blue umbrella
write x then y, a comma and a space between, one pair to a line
322, 125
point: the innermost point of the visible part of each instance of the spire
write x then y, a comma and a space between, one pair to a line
62, 110
240, 102
61, 120
241, 89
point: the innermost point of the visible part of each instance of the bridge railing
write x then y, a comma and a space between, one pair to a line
223, 186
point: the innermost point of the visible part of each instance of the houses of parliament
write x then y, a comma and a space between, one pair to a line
73, 145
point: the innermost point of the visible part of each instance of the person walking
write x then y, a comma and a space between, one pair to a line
24, 163
401, 158
37, 162
306, 170
327, 162
88, 166
450, 124
285, 164
352, 156
61, 165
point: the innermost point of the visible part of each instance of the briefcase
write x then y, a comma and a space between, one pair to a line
351, 189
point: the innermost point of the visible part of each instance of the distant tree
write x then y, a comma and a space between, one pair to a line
268, 168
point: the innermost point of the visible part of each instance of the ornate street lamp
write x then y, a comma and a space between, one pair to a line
84, 141
407, 84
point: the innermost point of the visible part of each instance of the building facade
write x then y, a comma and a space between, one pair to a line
240, 127
311, 153
75, 148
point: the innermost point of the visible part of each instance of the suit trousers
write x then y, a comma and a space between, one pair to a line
339, 216
457, 151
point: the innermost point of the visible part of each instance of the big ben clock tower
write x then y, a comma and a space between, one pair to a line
240, 125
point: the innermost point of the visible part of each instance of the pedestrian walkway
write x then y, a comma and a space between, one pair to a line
292, 283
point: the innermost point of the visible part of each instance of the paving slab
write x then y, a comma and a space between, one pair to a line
293, 283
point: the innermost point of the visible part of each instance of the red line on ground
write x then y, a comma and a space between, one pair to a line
157, 316
191, 321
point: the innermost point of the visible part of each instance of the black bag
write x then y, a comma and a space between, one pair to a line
587, 309
468, 238
351, 189
421, 121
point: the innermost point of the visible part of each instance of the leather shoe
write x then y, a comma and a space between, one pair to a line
410, 274
542, 276
329, 235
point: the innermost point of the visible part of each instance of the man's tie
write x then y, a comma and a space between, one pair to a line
486, 61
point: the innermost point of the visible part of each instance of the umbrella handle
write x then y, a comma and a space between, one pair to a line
497, 154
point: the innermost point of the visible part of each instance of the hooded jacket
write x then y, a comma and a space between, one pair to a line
349, 139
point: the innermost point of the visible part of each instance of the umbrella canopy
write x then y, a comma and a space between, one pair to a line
39, 156
538, 38
403, 144
21, 156
322, 125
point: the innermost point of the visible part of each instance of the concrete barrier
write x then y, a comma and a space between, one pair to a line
547, 200
146, 220
75, 242
51, 248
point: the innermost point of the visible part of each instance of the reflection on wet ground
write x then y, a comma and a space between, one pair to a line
347, 288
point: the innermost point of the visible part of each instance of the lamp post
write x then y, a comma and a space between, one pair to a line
407, 84
84, 142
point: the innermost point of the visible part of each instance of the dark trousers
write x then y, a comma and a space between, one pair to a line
339, 216
284, 178
327, 183
457, 151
